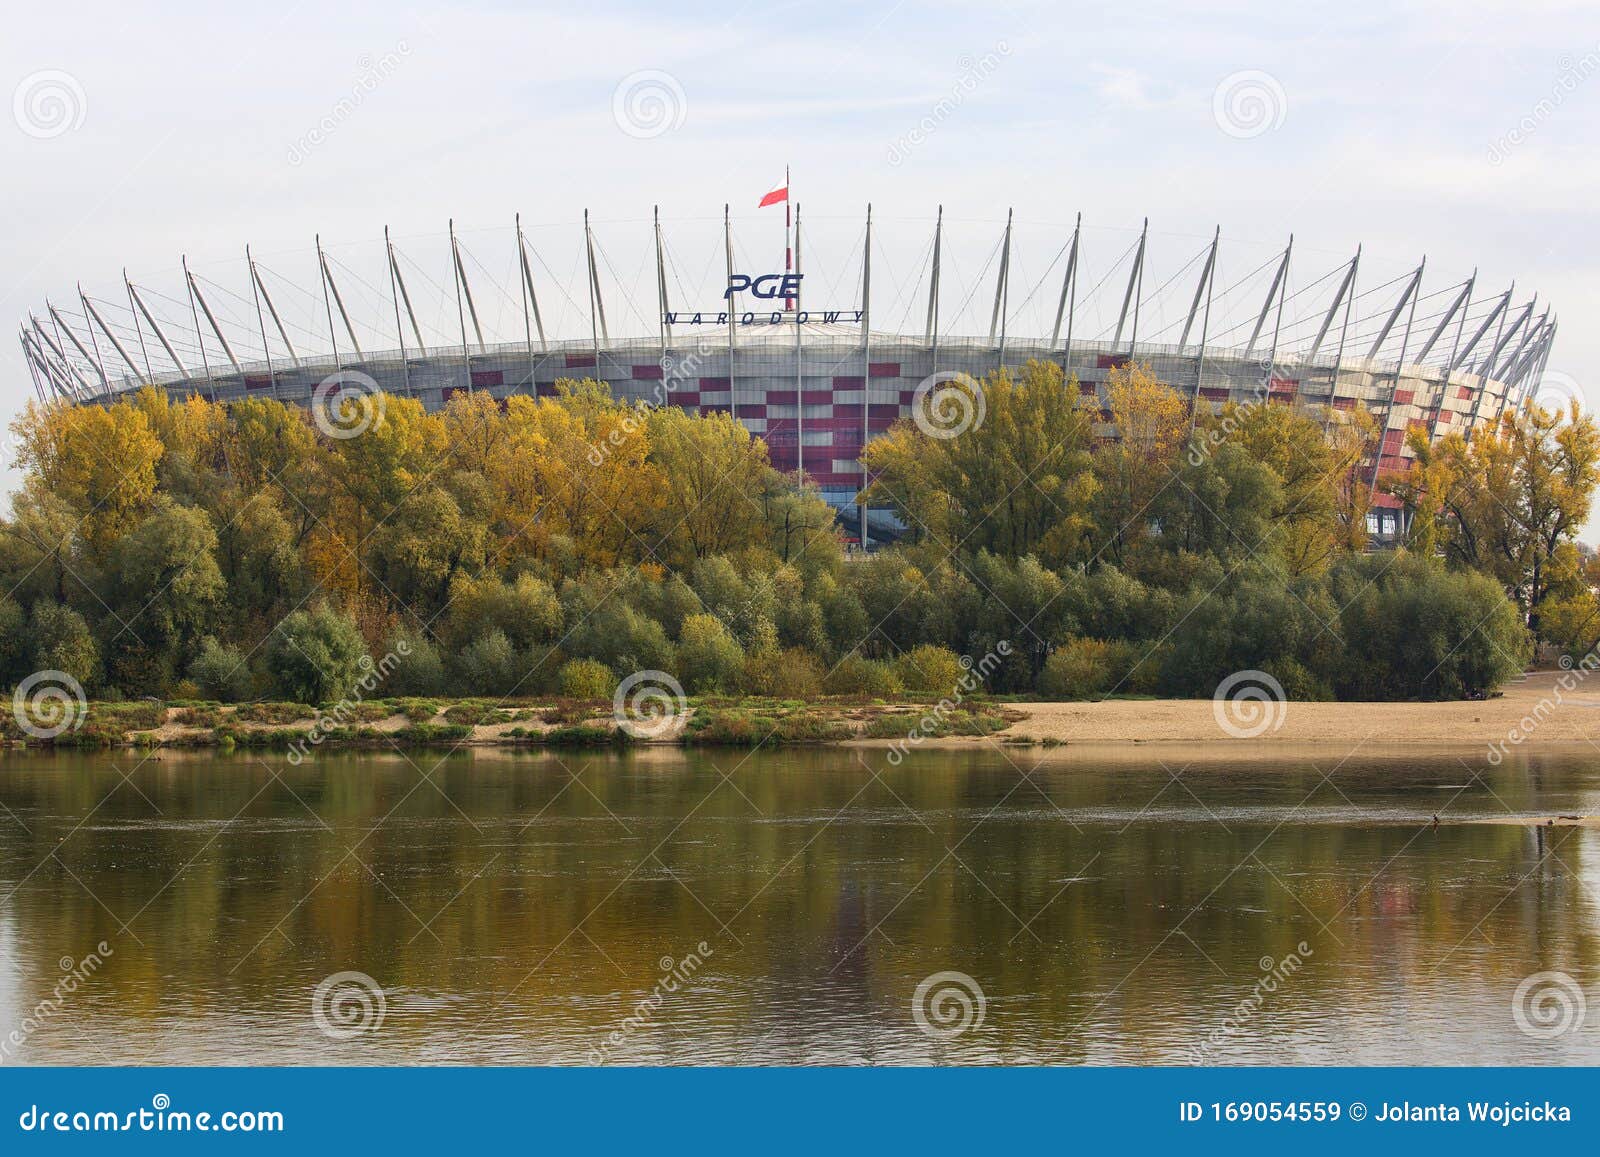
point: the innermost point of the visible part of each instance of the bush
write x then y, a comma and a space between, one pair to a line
792, 673
857, 676
490, 666
526, 612
221, 672
930, 669
317, 656
1078, 669
709, 658
1262, 621
62, 642
586, 679
1415, 630
420, 671
13, 642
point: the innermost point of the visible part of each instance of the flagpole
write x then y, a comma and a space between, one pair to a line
788, 245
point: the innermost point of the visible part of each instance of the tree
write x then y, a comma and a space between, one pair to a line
526, 611
709, 658
221, 672
712, 471
1309, 452
1139, 465
1016, 482
100, 461
1509, 503
420, 548
62, 642
316, 656
42, 550
14, 647
163, 596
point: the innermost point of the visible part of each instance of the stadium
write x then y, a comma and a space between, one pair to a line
816, 342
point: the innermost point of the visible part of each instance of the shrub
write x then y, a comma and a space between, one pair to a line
930, 669
221, 672
586, 679
1078, 669
709, 658
792, 673
490, 665
1262, 621
586, 736
62, 642
274, 713
420, 671
317, 656
857, 676
1091, 668
1415, 630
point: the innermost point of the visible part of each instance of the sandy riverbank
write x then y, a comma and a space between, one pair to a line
1540, 711
1536, 708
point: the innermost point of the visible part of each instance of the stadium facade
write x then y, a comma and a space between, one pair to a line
814, 376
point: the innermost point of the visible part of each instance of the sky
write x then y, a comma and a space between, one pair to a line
1463, 132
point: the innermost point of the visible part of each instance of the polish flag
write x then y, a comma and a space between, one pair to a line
772, 198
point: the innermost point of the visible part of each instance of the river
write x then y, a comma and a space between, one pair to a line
723, 907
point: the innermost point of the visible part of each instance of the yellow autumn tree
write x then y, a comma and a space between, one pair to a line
713, 471
99, 460
588, 467
1314, 454
1152, 424
1002, 465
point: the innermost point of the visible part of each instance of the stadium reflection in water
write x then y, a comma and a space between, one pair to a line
795, 908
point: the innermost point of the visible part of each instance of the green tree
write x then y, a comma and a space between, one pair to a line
1016, 482
316, 656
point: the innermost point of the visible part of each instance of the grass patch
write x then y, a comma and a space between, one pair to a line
566, 712
477, 713
274, 713
775, 726
432, 733
416, 710
586, 736
199, 715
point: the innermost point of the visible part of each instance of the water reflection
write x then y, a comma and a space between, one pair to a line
519, 907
